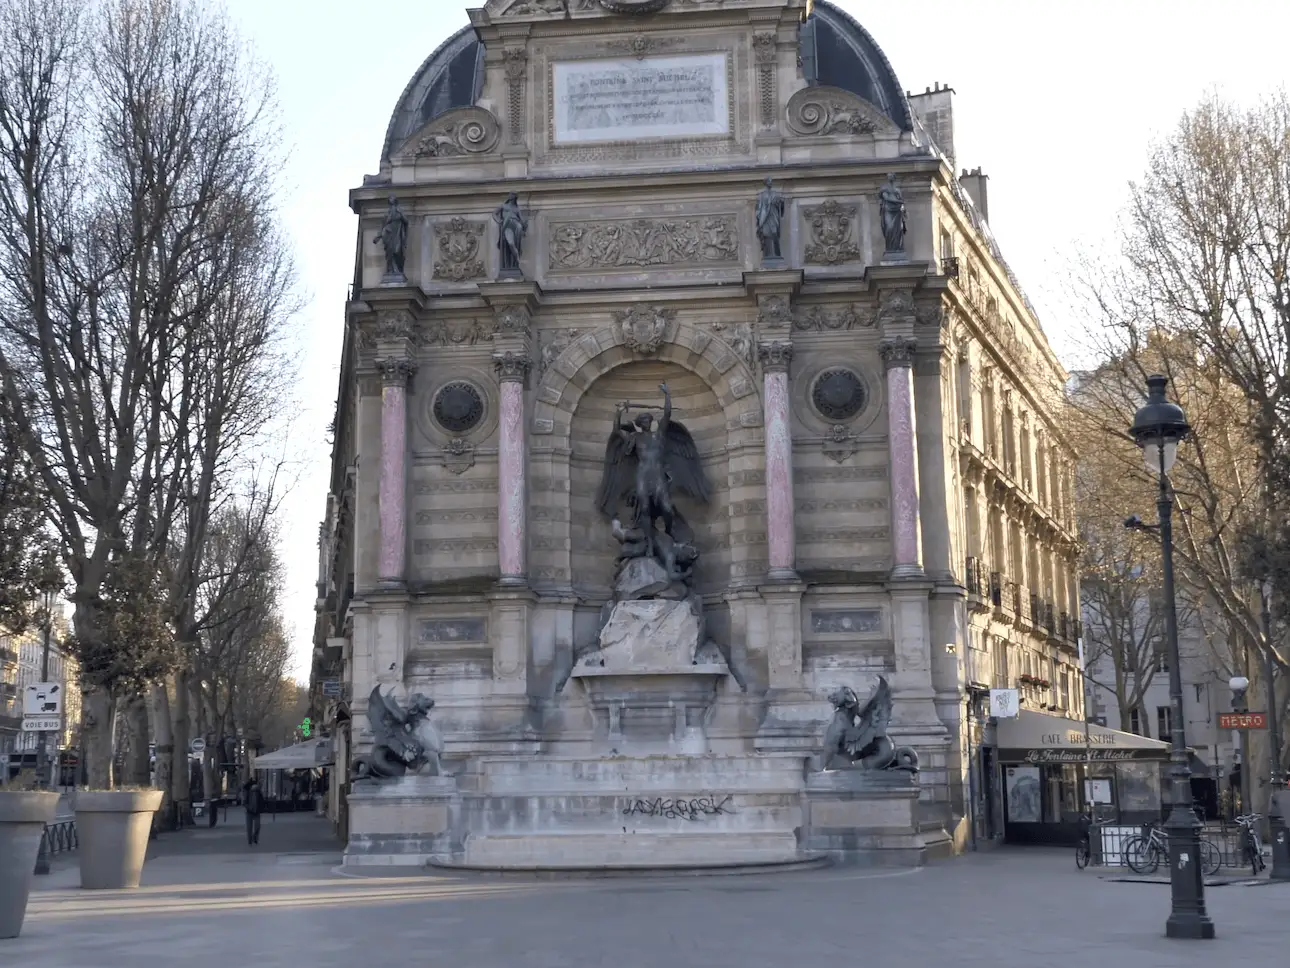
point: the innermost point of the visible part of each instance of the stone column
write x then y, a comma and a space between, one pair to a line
780, 535
906, 540
392, 495
512, 486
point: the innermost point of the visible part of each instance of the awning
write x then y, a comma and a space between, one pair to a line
1031, 737
303, 756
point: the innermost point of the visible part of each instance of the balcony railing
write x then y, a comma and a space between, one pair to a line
978, 583
950, 266
1021, 599
1050, 619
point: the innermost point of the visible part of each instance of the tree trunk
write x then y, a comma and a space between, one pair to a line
136, 771
96, 738
182, 727
165, 750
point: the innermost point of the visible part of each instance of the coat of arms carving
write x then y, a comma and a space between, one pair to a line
644, 328
459, 243
831, 225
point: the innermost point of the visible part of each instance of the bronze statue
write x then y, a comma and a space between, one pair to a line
405, 741
892, 209
858, 736
645, 465
394, 237
770, 221
510, 236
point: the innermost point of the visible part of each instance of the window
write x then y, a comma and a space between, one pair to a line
1162, 659
1164, 722
1135, 722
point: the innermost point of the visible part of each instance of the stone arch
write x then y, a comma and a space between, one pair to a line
562, 387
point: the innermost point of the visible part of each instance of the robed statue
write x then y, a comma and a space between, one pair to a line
892, 209
394, 237
646, 465
770, 221
512, 227
404, 740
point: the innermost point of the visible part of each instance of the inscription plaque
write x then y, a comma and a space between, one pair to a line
684, 96
453, 630
844, 622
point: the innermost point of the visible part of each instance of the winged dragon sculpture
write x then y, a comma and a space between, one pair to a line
405, 741
858, 734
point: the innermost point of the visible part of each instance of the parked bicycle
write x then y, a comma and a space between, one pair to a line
1143, 855
1084, 849
1250, 844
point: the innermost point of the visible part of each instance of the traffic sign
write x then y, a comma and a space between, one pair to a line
331, 688
42, 724
198, 746
43, 699
1242, 720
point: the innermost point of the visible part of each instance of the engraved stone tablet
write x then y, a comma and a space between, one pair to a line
685, 96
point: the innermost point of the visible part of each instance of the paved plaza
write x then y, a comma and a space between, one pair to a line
209, 900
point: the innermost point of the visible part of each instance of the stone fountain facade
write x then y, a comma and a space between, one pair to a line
592, 719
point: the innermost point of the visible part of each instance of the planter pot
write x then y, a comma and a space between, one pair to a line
23, 816
112, 829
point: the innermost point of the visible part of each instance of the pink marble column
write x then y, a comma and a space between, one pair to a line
780, 537
512, 485
898, 356
392, 497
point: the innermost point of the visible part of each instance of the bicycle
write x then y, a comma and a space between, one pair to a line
1143, 855
1084, 848
1250, 840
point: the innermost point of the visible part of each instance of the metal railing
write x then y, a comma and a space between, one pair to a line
1107, 842
60, 837
978, 585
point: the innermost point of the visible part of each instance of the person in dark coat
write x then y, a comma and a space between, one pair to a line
254, 802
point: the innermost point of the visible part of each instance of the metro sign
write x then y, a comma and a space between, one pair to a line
1242, 720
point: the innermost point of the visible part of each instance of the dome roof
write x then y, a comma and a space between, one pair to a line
845, 57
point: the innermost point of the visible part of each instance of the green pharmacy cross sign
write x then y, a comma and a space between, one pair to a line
306, 727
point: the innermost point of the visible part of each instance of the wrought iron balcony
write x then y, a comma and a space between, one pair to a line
950, 266
977, 582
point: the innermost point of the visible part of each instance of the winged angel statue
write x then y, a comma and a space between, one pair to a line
858, 736
645, 466
405, 741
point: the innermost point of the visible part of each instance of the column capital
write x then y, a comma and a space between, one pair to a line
511, 367
897, 352
396, 370
775, 355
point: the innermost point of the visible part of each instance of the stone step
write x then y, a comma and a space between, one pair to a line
674, 849
713, 775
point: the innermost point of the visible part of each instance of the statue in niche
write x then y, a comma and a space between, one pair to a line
510, 237
404, 740
892, 209
645, 466
394, 237
770, 222
858, 735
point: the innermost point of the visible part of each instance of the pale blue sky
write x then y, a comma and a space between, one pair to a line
1057, 101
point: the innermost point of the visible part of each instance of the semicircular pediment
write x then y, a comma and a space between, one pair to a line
453, 134
833, 112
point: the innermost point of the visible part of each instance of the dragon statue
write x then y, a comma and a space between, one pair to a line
404, 740
858, 735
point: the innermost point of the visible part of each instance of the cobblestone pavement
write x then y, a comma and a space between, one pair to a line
203, 907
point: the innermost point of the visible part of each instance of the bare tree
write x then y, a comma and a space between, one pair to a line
136, 161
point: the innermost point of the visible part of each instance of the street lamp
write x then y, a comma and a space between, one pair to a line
1280, 837
1158, 427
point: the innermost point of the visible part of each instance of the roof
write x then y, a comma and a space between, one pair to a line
846, 57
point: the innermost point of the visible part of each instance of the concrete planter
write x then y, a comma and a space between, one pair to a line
23, 816
112, 829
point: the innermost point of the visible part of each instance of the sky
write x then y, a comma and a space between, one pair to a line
1058, 102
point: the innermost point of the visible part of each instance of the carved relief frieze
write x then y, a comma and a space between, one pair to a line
826, 319
553, 344
533, 8
513, 321
739, 337
644, 329
831, 228
459, 249
390, 325
456, 332
897, 307
825, 111
774, 311
644, 242
465, 131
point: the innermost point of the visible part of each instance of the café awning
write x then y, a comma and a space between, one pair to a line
1031, 737
308, 755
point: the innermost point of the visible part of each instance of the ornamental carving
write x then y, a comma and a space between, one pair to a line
838, 394
834, 319
633, 6
897, 306
459, 456
643, 242
641, 46
458, 407
775, 356
644, 328
466, 131
832, 111
739, 337
897, 352
774, 312
532, 8
840, 444
393, 324
513, 321
444, 332
396, 371
832, 228
511, 367
459, 246
553, 344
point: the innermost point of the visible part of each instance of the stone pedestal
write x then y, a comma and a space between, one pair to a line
404, 822
864, 818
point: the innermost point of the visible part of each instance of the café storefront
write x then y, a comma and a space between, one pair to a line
1052, 769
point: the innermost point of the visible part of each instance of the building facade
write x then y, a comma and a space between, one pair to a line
871, 396
21, 658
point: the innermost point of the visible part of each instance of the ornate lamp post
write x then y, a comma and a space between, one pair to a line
1280, 837
1158, 428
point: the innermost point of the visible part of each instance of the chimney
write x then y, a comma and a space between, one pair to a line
974, 182
935, 109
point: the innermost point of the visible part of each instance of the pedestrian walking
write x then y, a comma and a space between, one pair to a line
254, 803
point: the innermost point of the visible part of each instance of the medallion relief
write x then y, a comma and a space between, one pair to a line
831, 232
643, 242
644, 329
